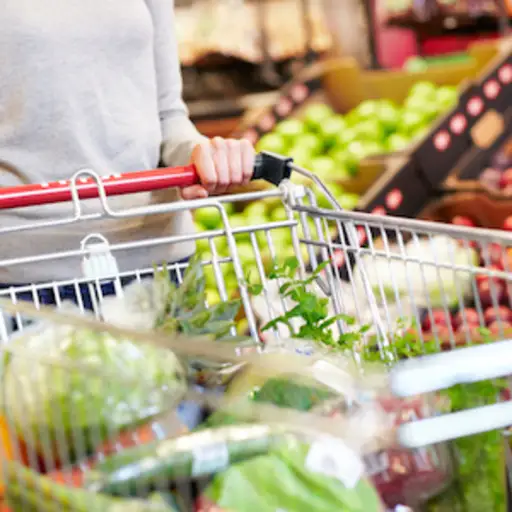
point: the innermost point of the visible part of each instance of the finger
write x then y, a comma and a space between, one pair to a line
202, 158
235, 161
220, 158
194, 192
248, 159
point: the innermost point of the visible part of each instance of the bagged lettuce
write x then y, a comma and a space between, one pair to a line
66, 387
322, 476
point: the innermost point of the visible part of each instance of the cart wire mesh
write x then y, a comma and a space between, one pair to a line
355, 289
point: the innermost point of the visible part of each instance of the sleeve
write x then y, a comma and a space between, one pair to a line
179, 134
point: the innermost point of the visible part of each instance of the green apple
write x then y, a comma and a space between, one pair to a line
278, 214
346, 160
424, 89
331, 129
447, 97
245, 253
221, 244
342, 173
272, 142
398, 142
369, 129
281, 238
348, 201
212, 297
388, 115
209, 218
301, 156
345, 138
202, 245
209, 277
231, 283
366, 109
290, 129
324, 167
311, 142
364, 149
230, 208
336, 191
429, 109
315, 115
257, 209
411, 121
239, 221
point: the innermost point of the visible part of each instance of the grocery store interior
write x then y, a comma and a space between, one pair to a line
256, 256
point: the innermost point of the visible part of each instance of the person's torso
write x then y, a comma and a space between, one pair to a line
78, 90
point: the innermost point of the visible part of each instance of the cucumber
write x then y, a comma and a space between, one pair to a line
190, 456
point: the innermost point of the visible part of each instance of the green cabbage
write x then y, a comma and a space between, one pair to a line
64, 387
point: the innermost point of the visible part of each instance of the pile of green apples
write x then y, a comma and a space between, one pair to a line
333, 145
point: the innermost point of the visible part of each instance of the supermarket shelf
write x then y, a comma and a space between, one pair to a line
222, 117
451, 25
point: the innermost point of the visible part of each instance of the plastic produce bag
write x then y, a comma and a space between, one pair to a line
66, 386
322, 476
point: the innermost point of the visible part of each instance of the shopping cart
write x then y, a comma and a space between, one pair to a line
411, 287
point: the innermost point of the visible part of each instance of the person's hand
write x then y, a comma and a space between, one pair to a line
220, 164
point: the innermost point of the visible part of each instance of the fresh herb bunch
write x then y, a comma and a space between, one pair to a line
308, 306
480, 463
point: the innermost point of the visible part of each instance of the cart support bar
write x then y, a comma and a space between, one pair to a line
268, 166
461, 366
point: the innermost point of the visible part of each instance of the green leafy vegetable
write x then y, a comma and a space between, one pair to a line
284, 392
282, 481
311, 309
160, 305
67, 387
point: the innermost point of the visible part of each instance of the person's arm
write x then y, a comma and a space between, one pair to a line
219, 162
179, 134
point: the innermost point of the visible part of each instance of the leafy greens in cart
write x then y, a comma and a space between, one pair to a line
65, 386
158, 304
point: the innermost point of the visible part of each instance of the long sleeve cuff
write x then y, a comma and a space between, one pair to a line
180, 136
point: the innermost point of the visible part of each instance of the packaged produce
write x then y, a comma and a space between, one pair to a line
61, 381
158, 304
189, 456
294, 476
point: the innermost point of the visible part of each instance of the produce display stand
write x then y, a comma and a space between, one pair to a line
460, 141
344, 85
421, 449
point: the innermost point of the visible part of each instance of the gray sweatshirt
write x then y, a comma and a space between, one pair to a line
89, 84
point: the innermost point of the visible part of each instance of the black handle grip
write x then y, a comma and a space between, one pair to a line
272, 168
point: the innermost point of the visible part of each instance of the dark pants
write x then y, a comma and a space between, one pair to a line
47, 296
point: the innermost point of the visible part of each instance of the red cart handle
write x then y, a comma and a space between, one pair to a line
268, 166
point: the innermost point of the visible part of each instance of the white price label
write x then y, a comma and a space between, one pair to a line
334, 458
210, 459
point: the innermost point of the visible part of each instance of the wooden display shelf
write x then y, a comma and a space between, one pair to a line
222, 117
